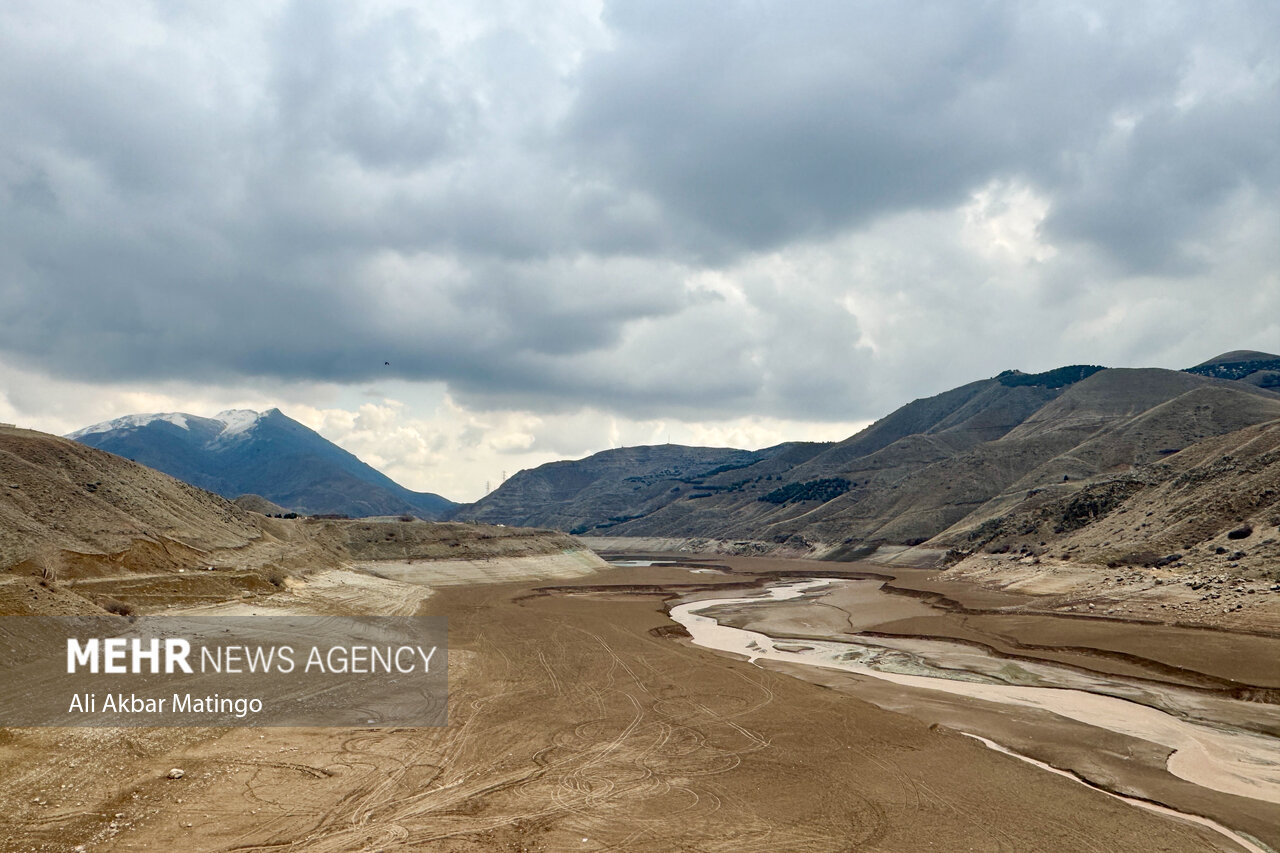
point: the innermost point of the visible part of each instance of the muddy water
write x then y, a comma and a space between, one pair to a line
1217, 756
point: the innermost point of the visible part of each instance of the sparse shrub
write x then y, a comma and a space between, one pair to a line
813, 490
1236, 369
1056, 378
47, 561
119, 608
1242, 532
406, 517
732, 466
1094, 502
1138, 558
275, 577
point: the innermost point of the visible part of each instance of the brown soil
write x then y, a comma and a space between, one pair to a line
578, 721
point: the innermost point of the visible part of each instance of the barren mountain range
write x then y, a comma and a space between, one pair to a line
965, 468
1033, 462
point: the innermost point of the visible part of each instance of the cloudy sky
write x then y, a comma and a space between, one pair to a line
576, 225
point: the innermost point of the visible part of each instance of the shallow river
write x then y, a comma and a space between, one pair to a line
1219, 757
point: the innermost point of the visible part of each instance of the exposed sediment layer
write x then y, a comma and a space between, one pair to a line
576, 712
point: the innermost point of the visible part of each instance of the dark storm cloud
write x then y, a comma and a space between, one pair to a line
758, 124
1170, 178
526, 204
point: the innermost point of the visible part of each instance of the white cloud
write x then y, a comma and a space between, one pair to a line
1003, 223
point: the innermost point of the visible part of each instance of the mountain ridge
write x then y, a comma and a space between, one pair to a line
265, 453
941, 464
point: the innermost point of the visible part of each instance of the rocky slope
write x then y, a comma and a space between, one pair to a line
615, 486
267, 454
1215, 503
87, 536
260, 505
933, 471
56, 493
88, 539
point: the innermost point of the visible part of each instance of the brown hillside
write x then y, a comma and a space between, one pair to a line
1106, 398
1214, 506
259, 504
85, 534
981, 450
1237, 356
57, 493
1204, 412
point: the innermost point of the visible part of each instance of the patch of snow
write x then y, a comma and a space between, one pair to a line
237, 421
178, 419
233, 422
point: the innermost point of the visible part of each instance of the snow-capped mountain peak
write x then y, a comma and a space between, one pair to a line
178, 419
240, 451
228, 424
236, 421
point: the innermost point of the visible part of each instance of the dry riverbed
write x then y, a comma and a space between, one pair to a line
580, 718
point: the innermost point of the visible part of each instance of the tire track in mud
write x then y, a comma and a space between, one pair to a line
570, 720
